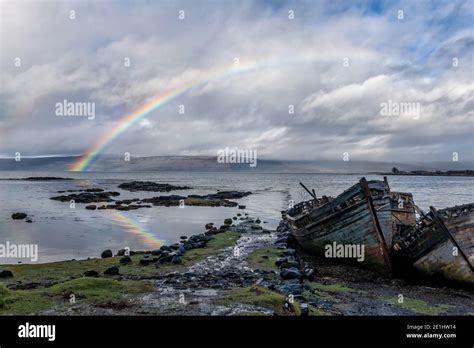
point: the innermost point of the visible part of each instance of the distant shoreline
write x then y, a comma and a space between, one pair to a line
468, 173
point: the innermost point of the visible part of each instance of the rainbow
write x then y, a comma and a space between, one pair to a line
85, 161
133, 227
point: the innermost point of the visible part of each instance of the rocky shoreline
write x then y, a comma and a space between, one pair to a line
238, 269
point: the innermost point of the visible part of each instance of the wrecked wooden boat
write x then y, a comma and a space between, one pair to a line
367, 214
441, 246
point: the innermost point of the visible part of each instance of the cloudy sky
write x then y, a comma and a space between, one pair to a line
335, 62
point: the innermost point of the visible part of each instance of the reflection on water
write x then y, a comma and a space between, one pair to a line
65, 233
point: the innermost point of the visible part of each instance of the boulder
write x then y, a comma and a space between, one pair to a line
281, 261
106, 253
304, 309
114, 270
146, 260
6, 274
209, 226
228, 221
125, 260
289, 252
290, 264
290, 273
18, 216
91, 273
292, 287
176, 259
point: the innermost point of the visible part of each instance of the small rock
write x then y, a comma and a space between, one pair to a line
258, 221
146, 260
290, 264
18, 216
29, 220
281, 261
176, 259
290, 273
241, 206
209, 226
309, 273
125, 260
114, 270
6, 274
91, 273
91, 207
183, 237
228, 221
291, 287
304, 309
106, 253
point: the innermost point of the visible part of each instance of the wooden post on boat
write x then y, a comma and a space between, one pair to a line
307, 190
368, 197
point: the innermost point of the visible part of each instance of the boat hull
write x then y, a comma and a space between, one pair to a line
442, 247
360, 217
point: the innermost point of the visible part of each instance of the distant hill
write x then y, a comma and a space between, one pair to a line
210, 164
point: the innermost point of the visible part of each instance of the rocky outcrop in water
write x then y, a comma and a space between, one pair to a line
87, 197
150, 186
18, 216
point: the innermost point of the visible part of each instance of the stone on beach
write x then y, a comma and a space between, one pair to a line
91, 273
114, 270
106, 253
18, 216
125, 260
290, 273
6, 274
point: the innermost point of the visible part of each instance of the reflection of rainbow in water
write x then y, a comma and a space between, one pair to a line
135, 228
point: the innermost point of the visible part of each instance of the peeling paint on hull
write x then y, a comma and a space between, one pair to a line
361, 215
442, 246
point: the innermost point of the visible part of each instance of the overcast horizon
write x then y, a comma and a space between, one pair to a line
296, 80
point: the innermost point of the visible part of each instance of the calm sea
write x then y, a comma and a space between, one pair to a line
63, 233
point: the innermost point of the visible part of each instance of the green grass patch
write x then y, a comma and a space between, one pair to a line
264, 258
219, 242
93, 291
420, 306
54, 282
58, 272
258, 296
332, 288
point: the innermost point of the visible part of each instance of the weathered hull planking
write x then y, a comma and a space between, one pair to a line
361, 215
442, 246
